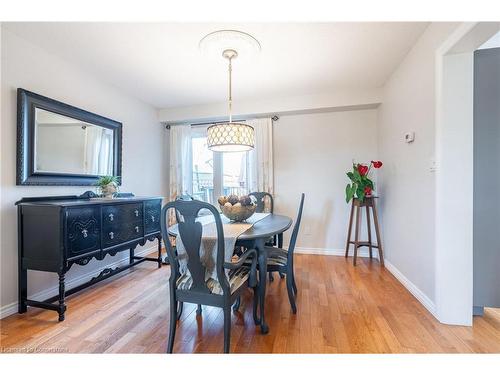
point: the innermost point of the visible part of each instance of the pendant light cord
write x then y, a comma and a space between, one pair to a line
230, 93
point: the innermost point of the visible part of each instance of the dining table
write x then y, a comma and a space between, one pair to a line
256, 237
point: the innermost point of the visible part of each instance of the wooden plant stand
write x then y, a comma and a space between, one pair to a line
369, 202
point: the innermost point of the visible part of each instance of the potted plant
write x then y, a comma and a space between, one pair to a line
361, 185
108, 186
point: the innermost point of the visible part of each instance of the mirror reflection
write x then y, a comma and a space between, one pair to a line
67, 145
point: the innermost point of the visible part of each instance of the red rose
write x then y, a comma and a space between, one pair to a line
368, 190
362, 169
377, 164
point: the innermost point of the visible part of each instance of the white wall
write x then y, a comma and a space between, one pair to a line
144, 169
407, 183
312, 153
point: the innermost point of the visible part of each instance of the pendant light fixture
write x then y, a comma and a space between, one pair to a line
230, 136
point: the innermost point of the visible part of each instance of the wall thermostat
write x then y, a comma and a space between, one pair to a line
409, 137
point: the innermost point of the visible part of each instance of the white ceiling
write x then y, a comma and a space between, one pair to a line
160, 63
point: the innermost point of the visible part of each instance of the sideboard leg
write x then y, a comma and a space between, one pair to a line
62, 306
159, 252
23, 290
131, 255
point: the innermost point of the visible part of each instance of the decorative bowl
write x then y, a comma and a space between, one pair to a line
238, 212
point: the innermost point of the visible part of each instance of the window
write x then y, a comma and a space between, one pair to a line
216, 174
203, 170
234, 172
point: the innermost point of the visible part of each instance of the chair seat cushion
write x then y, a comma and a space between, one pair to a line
236, 279
275, 257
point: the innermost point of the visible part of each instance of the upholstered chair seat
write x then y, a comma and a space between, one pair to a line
237, 279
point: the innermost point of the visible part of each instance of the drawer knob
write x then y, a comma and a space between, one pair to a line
85, 233
152, 218
137, 229
111, 217
136, 213
111, 235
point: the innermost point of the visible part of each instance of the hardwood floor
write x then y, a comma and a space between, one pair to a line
341, 309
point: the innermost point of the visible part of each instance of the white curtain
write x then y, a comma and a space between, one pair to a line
105, 155
260, 163
181, 166
98, 159
93, 143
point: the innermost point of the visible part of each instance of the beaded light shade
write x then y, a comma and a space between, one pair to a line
230, 137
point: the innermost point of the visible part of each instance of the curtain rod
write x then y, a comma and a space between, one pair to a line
214, 122
167, 126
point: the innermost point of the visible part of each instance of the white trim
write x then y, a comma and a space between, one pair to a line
453, 146
442, 286
412, 288
11, 308
331, 252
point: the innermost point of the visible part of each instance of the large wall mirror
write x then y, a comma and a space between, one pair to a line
62, 145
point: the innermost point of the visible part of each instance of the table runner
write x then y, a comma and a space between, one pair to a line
208, 246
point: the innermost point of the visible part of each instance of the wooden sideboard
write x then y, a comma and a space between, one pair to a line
54, 233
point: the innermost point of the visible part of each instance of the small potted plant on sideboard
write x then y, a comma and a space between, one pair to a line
108, 186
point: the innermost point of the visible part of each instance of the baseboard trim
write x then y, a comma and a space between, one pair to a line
333, 252
11, 308
412, 288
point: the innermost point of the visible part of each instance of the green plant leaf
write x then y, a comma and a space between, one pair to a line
360, 193
349, 193
356, 174
105, 180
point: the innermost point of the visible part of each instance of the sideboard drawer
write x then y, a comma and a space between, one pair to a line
121, 213
84, 230
119, 233
152, 212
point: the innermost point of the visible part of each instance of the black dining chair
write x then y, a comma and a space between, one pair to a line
263, 197
184, 197
193, 287
281, 260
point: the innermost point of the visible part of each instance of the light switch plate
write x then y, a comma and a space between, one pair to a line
409, 137
434, 166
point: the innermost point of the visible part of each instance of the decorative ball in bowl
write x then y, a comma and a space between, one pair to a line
237, 208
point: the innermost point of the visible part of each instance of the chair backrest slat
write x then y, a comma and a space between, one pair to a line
183, 197
296, 227
191, 232
260, 196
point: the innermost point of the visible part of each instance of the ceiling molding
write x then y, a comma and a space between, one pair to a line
346, 100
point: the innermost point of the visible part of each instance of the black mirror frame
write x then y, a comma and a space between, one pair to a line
26, 103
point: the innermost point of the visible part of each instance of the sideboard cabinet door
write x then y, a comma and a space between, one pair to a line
84, 231
152, 211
